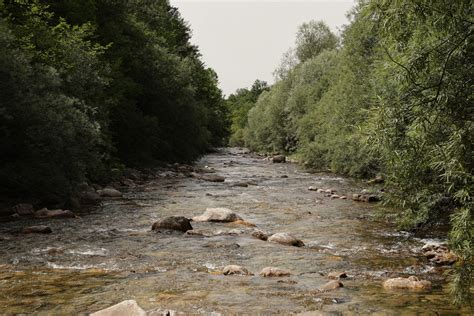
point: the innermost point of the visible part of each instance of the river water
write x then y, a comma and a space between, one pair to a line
111, 254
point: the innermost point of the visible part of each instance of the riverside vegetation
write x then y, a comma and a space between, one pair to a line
392, 97
90, 88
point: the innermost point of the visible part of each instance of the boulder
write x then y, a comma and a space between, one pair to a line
125, 308
286, 239
274, 272
219, 214
23, 209
179, 223
410, 283
89, 197
40, 229
279, 159
331, 285
260, 235
337, 275
439, 254
109, 192
45, 213
235, 270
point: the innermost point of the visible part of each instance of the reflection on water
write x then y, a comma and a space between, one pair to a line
110, 255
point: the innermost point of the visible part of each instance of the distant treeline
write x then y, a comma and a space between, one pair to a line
89, 87
392, 96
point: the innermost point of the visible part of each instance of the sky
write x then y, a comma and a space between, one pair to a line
244, 40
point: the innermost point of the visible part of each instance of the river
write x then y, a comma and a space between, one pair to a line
111, 254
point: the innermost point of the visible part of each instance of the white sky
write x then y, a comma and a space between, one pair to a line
244, 40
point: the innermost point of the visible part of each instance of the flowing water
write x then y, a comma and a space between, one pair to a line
109, 255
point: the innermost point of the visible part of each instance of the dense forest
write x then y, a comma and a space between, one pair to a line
392, 97
89, 87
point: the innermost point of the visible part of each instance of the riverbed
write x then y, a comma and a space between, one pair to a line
110, 254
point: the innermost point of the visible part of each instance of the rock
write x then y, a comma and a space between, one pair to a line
274, 272
179, 223
235, 270
284, 176
313, 188
125, 308
378, 179
219, 214
109, 192
337, 275
335, 196
208, 177
410, 283
40, 229
343, 197
439, 254
23, 209
244, 223
279, 159
366, 198
89, 197
320, 190
329, 191
331, 285
45, 213
286, 239
260, 235
240, 184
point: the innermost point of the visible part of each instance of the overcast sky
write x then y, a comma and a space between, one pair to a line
244, 40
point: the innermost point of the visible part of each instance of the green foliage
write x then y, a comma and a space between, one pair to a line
50, 135
239, 104
395, 98
88, 85
312, 38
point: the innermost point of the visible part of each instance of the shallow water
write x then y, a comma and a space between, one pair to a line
110, 254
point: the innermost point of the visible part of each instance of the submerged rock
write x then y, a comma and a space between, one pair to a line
410, 283
260, 235
179, 223
331, 285
208, 177
274, 272
45, 213
286, 239
109, 192
40, 229
279, 159
235, 270
240, 184
125, 308
337, 275
23, 209
244, 223
219, 214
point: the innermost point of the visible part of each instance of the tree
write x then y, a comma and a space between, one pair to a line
312, 38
